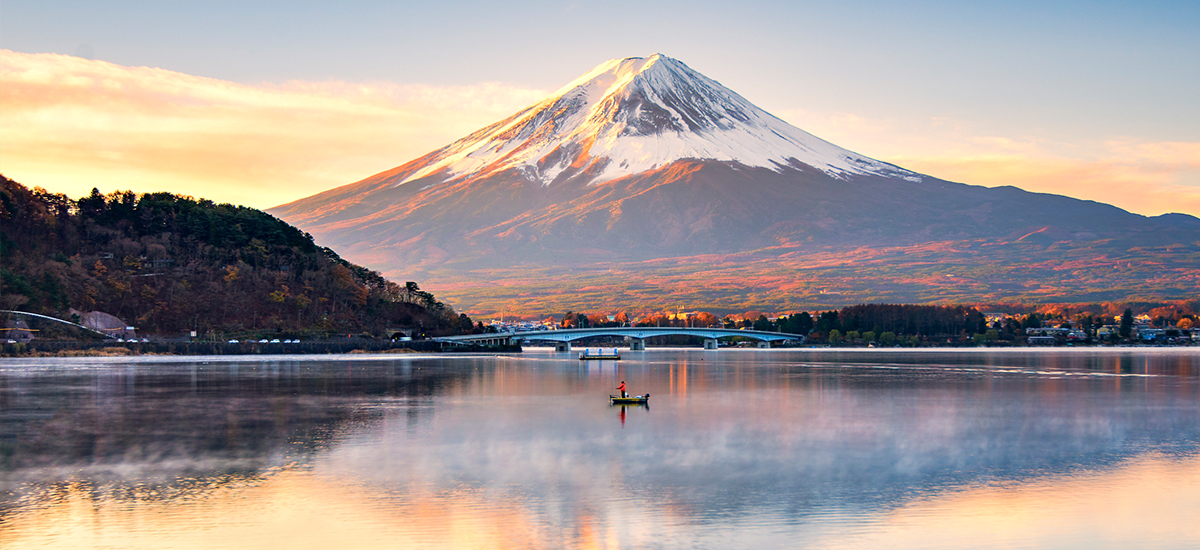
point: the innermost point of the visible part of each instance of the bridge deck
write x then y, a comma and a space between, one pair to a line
640, 333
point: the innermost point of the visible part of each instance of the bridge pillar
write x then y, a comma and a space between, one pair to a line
710, 343
764, 345
562, 346
637, 344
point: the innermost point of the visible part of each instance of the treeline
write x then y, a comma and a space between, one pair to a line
899, 319
167, 263
906, 324
902, 319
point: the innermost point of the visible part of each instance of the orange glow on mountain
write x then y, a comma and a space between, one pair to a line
70, 124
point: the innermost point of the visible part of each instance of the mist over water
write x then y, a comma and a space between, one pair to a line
738, 448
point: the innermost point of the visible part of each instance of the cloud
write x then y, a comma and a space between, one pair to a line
1145, 177
70, 124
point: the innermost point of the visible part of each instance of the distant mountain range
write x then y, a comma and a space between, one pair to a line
645, 184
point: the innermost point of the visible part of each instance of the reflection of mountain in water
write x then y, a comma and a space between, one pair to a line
161, 421
748, 437
726, 436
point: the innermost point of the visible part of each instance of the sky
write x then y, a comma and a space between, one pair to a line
263, 103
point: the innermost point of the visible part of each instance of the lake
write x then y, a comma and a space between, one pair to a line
1048, 448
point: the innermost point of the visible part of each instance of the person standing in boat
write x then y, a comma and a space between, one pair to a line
621, 388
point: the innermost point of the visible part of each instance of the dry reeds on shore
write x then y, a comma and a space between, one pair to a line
111, 351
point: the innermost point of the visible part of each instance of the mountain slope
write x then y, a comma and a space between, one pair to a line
643, 159
632, 115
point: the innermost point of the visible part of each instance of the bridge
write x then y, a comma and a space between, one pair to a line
635, 335
56, 320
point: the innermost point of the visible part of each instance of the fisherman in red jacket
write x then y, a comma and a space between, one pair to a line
622, 389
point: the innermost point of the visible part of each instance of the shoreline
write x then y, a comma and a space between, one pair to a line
52, 349
62, 349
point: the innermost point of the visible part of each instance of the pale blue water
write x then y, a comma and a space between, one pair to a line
738, 449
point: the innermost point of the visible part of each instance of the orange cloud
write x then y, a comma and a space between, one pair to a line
70, 124
1138, 183
1149, 178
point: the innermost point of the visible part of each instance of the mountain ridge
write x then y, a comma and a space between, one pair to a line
598, 124
529, 191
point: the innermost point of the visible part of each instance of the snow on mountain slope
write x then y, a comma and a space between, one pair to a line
628, 116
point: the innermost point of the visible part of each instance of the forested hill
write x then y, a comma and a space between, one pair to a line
167, 264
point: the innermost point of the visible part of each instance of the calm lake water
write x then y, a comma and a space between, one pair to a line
738, 449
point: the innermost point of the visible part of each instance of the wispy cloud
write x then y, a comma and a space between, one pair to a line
70, 124
1140, 176
1136, 183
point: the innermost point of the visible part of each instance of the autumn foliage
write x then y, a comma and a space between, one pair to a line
168, 263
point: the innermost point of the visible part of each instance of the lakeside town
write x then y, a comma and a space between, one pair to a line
1003, 329
174, 270
868, 325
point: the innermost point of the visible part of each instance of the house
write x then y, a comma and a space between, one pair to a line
16, 331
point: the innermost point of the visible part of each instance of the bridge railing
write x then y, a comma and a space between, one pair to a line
569, 335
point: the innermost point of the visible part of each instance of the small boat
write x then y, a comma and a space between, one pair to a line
599, 354
631, 400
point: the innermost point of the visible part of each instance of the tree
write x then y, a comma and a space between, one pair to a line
835, 336
887, 339
828, 321
976, 322
797, 323
1012, 326
169, 263
1126, 323
706, 319
410, 291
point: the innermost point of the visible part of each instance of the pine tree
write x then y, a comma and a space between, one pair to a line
1126, 323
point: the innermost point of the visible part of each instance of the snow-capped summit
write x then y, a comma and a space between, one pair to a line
643, 180
631, 115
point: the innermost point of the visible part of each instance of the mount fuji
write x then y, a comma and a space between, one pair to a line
634, 115
652, 184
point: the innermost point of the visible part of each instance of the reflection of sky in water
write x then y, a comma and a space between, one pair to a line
738, 449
